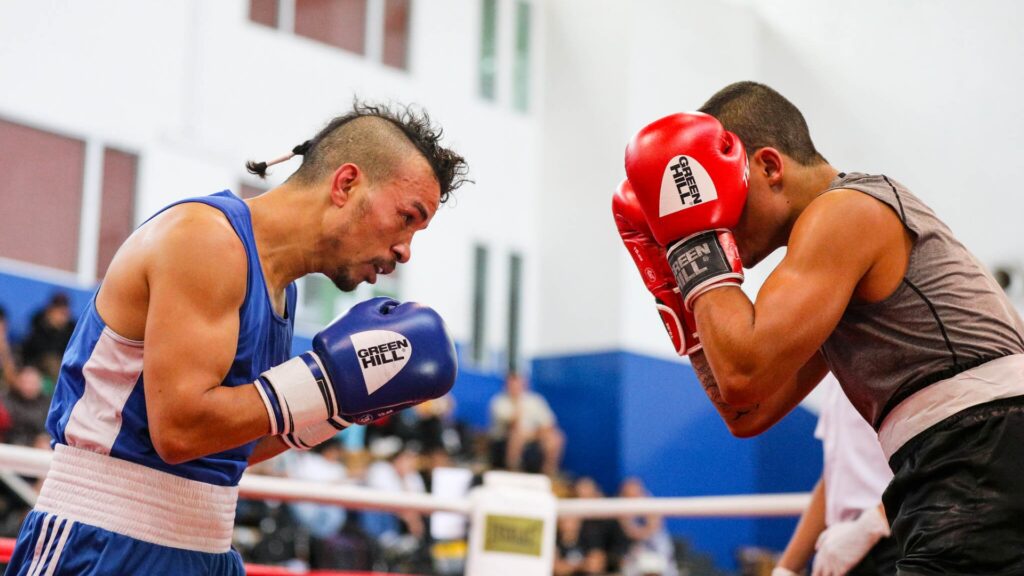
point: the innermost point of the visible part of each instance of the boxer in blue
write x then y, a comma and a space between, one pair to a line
178, 377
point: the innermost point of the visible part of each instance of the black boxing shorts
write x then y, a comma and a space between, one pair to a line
956, 501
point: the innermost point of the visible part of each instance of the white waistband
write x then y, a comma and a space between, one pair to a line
993, 380
138, 502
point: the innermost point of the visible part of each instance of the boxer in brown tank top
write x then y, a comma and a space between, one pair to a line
876, 288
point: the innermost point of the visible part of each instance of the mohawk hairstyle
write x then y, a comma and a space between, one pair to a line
376, 137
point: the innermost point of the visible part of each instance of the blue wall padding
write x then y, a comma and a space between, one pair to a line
582, 393
627, 414
22, 297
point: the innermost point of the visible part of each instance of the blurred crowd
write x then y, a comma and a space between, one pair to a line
28, 371
421, 450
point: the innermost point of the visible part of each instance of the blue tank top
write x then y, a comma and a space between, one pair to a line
99, 401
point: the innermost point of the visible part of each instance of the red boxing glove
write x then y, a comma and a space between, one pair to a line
649, 258
690, 176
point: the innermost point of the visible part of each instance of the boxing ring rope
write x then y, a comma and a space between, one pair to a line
35, 463
759, 505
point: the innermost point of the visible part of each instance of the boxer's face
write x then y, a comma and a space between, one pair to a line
762, 225
753, 230
374, 229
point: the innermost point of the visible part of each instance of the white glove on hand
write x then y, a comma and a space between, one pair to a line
844, 544
780, 571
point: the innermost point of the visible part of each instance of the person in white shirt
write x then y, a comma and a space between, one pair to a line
845, 521
520, 421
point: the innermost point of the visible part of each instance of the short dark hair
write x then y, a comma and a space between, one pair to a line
376, 137
59, 300
762, 117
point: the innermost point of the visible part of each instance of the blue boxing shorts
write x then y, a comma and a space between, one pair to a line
102, 515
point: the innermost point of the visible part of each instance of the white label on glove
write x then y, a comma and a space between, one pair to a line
381, 354
685, 184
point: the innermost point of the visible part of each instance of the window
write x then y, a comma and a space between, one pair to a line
515, 289
117, 208
478, 333
340, 23
521, 66
40, 196
489, 49
263, 12
396, 34
377, 29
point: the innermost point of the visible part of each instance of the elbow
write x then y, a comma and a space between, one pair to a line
739, 389
171, 451
745, 419
172, 445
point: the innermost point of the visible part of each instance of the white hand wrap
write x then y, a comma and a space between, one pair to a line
314, 434
843, 545
296, 393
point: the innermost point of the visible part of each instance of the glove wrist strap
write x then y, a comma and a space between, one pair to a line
296, 394
314, 434
698, 262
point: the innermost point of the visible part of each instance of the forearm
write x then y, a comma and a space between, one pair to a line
218, 419
736, 418
267, 448
812, 523
726, 324
752, 347
746, 420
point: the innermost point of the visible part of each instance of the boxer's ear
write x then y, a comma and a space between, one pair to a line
769, 163
343, 182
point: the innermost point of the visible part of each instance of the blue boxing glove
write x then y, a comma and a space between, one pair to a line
378, 358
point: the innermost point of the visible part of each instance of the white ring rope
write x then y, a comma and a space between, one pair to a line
757, 505
35, 463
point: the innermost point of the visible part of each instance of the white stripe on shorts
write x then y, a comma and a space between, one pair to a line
40, 543
68, 525
59, 535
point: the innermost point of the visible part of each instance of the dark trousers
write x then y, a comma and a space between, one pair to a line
956, 501
880, 560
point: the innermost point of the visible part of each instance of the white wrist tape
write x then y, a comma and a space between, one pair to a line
314, 434
296, 393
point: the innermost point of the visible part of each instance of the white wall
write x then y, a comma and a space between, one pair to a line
583, 128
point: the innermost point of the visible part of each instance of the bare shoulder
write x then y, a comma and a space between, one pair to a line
193, 247
845, 208
846, 219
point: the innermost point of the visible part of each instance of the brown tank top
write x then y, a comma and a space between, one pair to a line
948, 315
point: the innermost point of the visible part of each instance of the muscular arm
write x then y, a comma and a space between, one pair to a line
196, 277
843, 244
745, 420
